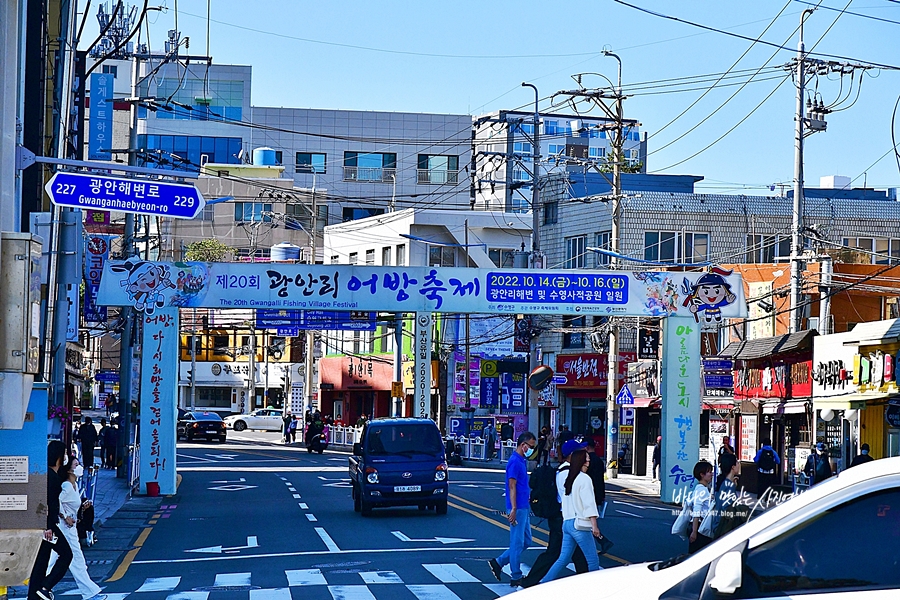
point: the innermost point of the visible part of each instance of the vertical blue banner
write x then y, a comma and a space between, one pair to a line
512, 394
490, 392
681, 407
159, 399
100, 125
96, 253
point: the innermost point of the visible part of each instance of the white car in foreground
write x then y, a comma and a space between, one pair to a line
838, 541
268, 419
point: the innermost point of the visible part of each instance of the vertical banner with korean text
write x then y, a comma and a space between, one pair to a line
96, 253
680, 407
101, 117
159, 399
422, 377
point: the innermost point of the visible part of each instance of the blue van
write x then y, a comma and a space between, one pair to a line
399, 462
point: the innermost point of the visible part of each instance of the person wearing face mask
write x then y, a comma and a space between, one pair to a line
518, 499
69, 503
862, 457
818, 467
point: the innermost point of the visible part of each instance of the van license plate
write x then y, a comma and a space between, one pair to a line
407, 488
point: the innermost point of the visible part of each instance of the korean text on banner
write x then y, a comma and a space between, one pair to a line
100, 127
422, 379
159, 399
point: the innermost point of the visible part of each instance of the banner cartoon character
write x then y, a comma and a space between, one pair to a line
145, 284
708, 295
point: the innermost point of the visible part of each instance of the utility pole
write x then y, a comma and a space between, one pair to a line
398, 361
536, 261
612, 413
310, 334
251, 382
194, 360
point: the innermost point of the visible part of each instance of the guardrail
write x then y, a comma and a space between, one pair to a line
369, 174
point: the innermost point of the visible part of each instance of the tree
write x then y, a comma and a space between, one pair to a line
210, 250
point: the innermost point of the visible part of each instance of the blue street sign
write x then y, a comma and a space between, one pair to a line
107, 376
560, 379
328, 320
139, 196
287, 331
718, 381
624, 396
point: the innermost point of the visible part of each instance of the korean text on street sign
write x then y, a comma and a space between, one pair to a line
276, 286
287, 331
329, 320
100, 125
625, 396
139, 196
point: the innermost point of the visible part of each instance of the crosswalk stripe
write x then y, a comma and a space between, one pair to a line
350, 592
159, 584
311, 517
501, 589
305, 577
451, 573
271, 594
522, 567
380, 577
232, 579
432, 592
188, 596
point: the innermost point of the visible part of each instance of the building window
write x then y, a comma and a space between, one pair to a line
111, 70
186, 152
370, 257
879, 251
436, 169
523, 150
550, 127
209, 213
768, 248
362, 166
279, 157
213, 100
220, 345
310, 162
576, 247
354, 213
300, 216
573, 339
557, 149
386, 256
501, 257
335, 259
676, 247
604, 242
252, 212
213, 397
401, 255
551, 213
441, 256
596, 152
250, 254
353, 258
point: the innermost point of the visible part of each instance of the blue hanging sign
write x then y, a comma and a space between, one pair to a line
512, 394
100, 124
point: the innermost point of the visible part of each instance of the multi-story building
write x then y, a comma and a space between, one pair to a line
504, 152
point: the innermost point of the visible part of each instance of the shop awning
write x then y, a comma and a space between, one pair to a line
791, 407
847, 402
645, 402
770, 346
872, 334
718, 404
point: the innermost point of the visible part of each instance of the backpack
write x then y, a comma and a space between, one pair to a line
544, 502
766, 462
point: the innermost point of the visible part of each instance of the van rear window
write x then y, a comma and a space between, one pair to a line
404, 440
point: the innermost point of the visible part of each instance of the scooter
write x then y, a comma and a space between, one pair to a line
316, 443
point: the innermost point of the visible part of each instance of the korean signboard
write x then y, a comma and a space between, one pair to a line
588, 371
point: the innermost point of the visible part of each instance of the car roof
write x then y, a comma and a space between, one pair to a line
206, 416
400, 421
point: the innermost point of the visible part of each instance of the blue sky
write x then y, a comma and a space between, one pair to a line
470, 57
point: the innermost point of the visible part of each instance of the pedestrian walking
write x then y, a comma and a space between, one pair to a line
700, 505
546, 505
724, 449
69, 505
564, 435
88, 434
518, 497
727, 512
490, 440
111, 446
597, 472
294, 427
109, 403
818, 466
286, 420
862, 457
76, 439
657, 457
579, 509
101, 441
767, 461
542, 455
40, 583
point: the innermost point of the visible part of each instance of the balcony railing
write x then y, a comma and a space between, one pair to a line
369, 174
437, 177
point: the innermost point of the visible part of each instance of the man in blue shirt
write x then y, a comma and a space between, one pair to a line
518, 499
767, 461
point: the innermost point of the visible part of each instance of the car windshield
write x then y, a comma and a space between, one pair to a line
404, 440
207, 417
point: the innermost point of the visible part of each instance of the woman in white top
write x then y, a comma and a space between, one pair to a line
579, 508
69, 503
700, 505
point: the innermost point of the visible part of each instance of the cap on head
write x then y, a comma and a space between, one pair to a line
571, 446
820, 446
864, 447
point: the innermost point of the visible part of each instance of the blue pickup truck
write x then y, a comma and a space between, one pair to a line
399, 462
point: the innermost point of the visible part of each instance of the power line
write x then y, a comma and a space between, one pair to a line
847, 12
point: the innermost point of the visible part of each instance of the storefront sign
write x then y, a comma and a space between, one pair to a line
159, 399
589, 370
422, 394
680, 408
490, 392
648, 344
748, 437
512, 393
785, 380
96, 253
892, 415
472, 379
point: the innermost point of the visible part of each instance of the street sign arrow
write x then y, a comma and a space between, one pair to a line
443, 540
560, 379
138, 196
251, 543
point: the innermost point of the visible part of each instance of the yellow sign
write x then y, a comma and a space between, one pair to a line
397, 389
626, 429
489, 368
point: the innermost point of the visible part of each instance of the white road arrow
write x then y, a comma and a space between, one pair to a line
241, 480
404, 538
223, 456
251, 543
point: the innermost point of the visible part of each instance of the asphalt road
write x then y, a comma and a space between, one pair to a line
256, 520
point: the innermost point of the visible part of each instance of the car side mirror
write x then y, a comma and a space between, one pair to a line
357, 449
728, 574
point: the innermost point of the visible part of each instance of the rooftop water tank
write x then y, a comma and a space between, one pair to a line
284, 252
264, 157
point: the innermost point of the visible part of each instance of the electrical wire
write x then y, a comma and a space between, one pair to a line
112, 17
122, 44
848, 12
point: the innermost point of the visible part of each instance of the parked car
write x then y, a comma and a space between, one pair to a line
268, 419
196, 424
839, 540
399, 462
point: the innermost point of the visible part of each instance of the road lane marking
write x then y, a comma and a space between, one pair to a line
642, 507
311, 517
629, 514
432, 592
184, 596
129, 556
200, 458
299, 577
296, 496
526, 569
326, 539
232, 579
451, 573
159, 584
232, 468
290, 489
380, 577
501, 589
327, 552
493, 510
271, 594
491, 521
350, 592
304, 506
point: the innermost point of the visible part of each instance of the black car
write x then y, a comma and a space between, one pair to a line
207, 425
